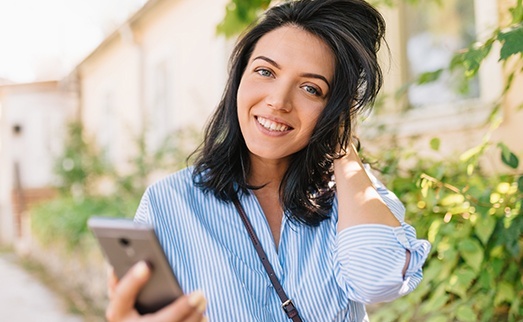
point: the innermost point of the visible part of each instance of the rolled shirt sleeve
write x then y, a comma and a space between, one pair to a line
371, 257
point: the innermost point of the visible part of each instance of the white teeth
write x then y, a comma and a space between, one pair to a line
272, 126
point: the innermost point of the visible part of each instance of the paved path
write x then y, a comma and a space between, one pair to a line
23, 298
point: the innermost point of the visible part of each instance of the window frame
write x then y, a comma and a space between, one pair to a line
393, 117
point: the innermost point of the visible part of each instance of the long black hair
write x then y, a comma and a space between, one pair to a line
353, 30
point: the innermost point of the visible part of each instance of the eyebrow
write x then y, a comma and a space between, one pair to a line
310, 75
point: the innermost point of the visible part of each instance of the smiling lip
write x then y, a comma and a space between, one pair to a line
272, 126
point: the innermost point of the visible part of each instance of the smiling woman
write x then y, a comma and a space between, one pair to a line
282, 93
277, 169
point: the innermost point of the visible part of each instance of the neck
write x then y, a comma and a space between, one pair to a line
267, 173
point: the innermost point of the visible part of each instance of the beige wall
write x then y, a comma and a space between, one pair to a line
41, 110
184, 36
174, 39
110, 97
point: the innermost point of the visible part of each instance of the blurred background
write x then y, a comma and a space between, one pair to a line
100, 98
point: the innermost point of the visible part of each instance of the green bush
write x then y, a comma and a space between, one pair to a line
80, 169
474, 222
65, 218
80, 164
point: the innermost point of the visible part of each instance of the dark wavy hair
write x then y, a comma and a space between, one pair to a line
353, 30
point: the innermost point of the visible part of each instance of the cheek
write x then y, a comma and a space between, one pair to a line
240, 102
310, 117
250, 90
243, 97
243, 102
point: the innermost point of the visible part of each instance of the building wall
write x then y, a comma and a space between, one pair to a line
110, 98
164, 70
32, 119
182, 34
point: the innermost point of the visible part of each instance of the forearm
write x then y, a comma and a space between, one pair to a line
358, 201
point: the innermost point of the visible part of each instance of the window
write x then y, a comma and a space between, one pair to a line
434, 31
422, 38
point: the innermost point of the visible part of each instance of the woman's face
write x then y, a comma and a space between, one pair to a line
283, 91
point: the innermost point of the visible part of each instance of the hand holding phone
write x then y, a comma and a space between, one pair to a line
122, 295
125, 243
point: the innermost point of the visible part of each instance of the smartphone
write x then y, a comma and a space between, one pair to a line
124, 243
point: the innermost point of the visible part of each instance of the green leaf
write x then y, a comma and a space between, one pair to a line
486, 280
438, 318
496, 263
520, 184
232, 24
239, 15
511, 42
472, 252
432, 270
517, 12
484, 228
452, 199
471, 58
514, 308
460, 282
435, 144
504, 293
429, 77
470, 169
436, 301
471, 153
487, 313
466, 313
507, 156
434, 230
425, 186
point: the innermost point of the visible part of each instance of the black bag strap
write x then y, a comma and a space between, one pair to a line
287, 305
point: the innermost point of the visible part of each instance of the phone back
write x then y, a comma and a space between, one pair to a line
125, 243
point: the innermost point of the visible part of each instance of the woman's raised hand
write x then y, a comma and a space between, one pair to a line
123, 293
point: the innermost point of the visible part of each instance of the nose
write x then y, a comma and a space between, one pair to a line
280, 96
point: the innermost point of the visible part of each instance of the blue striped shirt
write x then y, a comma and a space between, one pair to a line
329, 275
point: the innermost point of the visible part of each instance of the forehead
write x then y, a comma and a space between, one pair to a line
293, 47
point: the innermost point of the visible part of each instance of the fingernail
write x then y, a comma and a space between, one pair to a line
197, 299
140, 270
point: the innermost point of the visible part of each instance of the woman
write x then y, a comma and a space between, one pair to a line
279, 143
